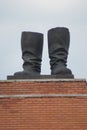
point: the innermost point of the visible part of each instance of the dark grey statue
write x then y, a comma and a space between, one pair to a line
58, 46
32, 46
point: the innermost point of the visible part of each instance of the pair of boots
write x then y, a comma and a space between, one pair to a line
58, 45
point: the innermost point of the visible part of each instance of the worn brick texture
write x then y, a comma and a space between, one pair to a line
43, 113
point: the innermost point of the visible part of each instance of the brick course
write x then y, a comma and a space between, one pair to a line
43, 87
43, 113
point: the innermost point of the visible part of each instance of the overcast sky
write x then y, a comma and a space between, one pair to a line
39, 16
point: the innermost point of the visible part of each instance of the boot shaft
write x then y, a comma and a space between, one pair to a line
32, 46
58, 44
32, 43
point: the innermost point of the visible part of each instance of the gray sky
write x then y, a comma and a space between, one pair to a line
39, 16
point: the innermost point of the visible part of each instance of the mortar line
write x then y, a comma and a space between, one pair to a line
42, 95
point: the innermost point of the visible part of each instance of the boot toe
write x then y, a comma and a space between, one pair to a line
64, 73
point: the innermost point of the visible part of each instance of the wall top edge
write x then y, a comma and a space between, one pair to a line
44, 80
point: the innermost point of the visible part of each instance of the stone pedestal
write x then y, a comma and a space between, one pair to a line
13, 77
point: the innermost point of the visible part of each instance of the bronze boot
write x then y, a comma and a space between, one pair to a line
58, 46
32, 46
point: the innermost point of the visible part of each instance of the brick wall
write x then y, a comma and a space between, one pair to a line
43, 105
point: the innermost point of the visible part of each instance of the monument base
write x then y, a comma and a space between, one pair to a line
9, 77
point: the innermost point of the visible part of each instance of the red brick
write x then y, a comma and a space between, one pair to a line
43, 113
43, 87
